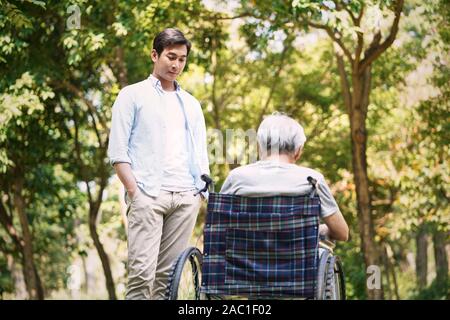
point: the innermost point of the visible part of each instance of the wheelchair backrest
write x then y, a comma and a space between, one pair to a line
261, 246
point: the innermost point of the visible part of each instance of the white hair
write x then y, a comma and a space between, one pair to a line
280, 133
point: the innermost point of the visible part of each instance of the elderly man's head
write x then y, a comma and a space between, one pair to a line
279, 134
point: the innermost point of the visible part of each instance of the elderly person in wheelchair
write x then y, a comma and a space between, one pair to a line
281, 140
261, 235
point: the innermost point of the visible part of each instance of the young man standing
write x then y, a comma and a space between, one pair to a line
158, 148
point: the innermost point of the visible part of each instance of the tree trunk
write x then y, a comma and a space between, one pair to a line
32, 280
421, 258
391, 263
18, 279
358, 115
440, 256
121, 67
102, 254
86, 284
94, 204
385, 259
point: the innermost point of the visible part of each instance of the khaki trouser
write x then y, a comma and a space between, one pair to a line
159, 229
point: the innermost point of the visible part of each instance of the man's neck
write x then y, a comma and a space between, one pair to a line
166, 85
284, 158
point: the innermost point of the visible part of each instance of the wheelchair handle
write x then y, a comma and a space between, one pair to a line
326, 241
209, 184
314, 186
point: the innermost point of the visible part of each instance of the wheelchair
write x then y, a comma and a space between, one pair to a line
259, 248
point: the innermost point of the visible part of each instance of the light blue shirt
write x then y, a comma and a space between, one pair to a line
138, 133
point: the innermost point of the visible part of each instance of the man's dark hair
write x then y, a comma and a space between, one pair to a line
169, 37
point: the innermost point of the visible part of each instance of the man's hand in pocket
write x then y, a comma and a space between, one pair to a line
132, 194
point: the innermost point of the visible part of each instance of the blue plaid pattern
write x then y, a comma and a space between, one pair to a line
266, 246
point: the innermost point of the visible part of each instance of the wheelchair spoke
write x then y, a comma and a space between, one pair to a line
184, 282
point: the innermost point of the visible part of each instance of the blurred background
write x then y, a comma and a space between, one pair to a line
368, 80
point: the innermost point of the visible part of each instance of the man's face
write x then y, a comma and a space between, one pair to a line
170, 63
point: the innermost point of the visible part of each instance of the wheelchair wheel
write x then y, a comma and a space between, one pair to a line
341, 279
185, 277
334, 284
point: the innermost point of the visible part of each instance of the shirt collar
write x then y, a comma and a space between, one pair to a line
157, 83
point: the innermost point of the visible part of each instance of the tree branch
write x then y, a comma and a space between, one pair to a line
345, 85
287, 45
8, 207
75, 90
359, 47
119, 62
361, 13
96, 205
80, 160
214, 66
91, 110
103, 174
333, 36
4, 248
360, 41
6, 222
220, 17
366, 89
324, 124
352, 16
379, 49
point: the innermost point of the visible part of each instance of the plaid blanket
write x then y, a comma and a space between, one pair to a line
265, 246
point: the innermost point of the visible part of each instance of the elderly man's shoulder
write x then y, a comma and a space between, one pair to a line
310, 172
244, 170
263, 168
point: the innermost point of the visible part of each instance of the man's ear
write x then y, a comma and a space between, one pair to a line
154, 55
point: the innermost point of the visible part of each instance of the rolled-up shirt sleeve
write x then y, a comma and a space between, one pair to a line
123, 112
328, 203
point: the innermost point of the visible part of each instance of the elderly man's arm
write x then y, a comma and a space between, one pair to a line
335, 227
227, 185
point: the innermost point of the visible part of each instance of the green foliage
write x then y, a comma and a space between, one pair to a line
58, 85
355, 276
6, 280
435, 291
52, 201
